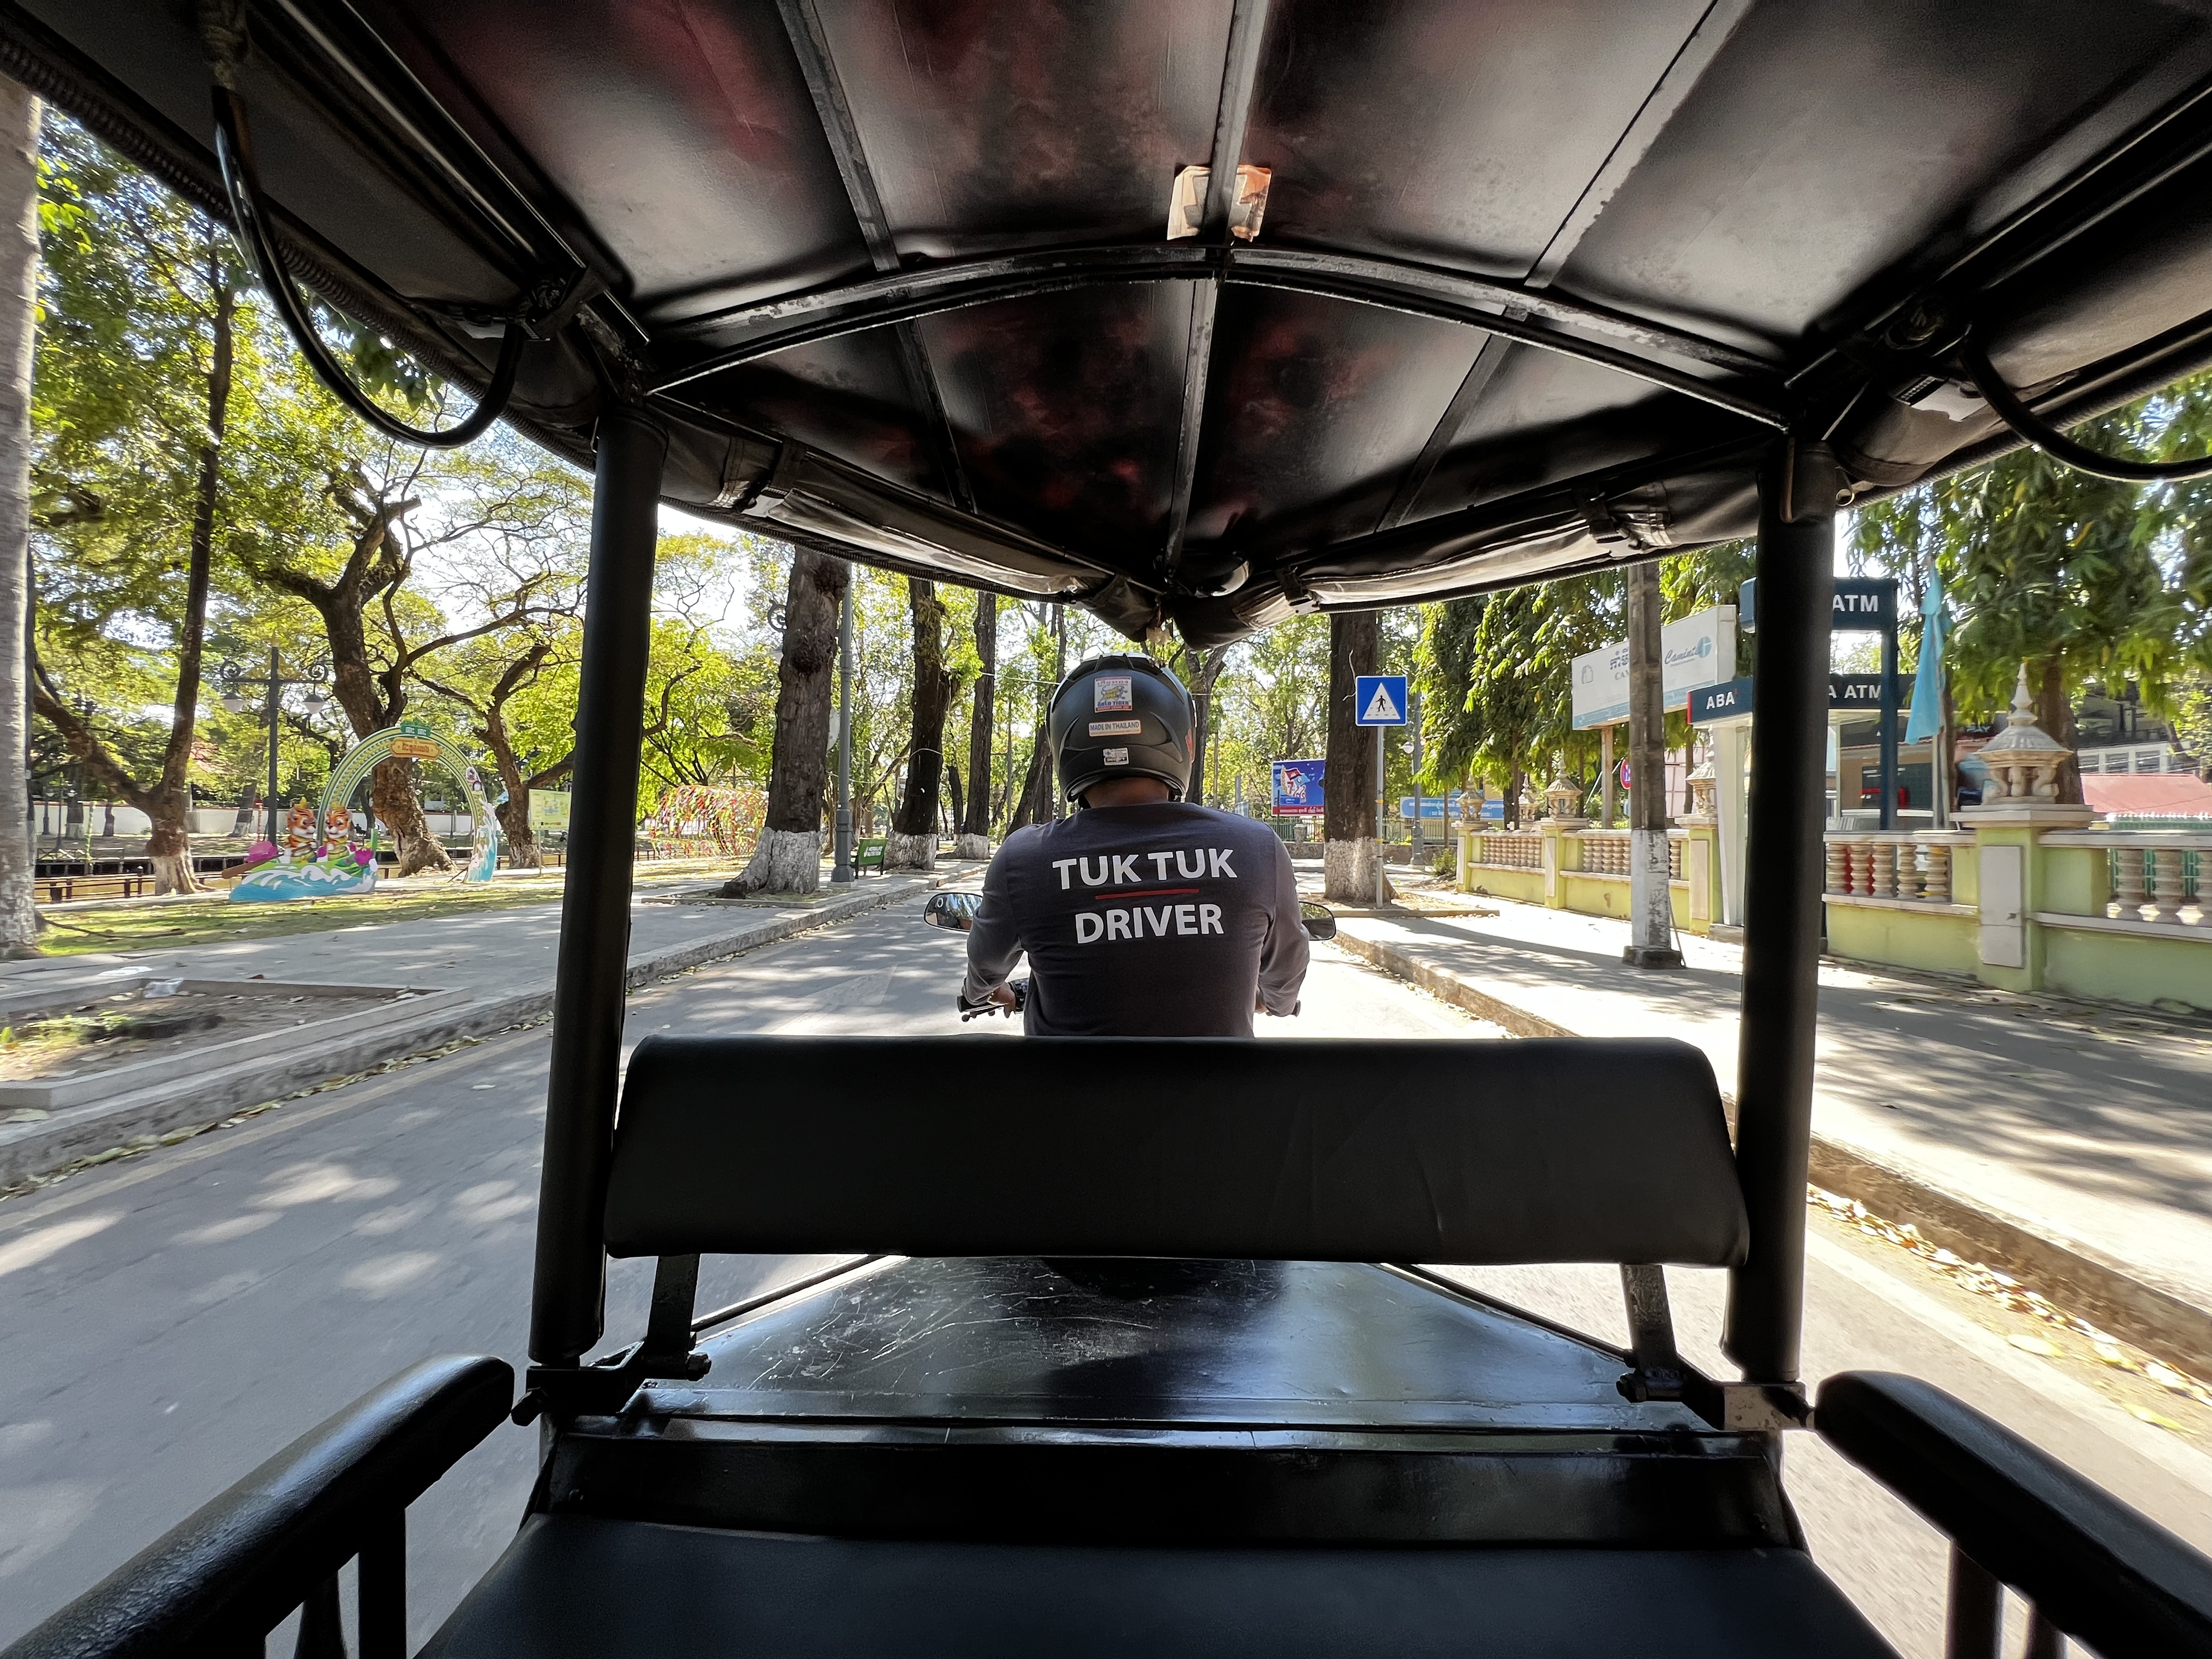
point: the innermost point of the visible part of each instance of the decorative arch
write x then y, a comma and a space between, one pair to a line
414, 740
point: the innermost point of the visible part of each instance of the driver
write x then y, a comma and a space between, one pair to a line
1142, 914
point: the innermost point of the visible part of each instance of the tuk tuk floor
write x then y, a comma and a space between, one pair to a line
2079, 1123
174, 1318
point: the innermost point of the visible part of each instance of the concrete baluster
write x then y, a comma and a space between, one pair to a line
1839, 867
1885, 869
1939, 874
2165, 886
2132, 884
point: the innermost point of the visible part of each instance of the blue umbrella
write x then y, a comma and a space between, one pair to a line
1927, 715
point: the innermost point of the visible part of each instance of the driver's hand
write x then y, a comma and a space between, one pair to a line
1004, 996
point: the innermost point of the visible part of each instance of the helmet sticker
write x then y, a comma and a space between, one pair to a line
1115, 756
1116, 728
1111, 691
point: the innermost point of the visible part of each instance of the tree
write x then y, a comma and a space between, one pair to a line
18, 302
911, 844
381, 634
976, 820
789, 857
133, 398
2078, 578
484, 684
1349, 851
1200, 681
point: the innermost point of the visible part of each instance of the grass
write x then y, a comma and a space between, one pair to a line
131, 925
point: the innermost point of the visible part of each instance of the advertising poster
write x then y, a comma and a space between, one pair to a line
1298, 786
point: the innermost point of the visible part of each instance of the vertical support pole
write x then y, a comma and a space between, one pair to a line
1889, 693
1782, 910
1382, 841
842, 869
1973, 1618
1049, 780
274, 686
1413, 713
1604, 765
567, 1304
382, 1587
1650, 895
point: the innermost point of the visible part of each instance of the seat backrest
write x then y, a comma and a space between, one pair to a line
1551, 1150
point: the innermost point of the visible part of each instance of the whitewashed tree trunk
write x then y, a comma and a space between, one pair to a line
19, 285
784, 862
973, 847
905, 852
1347, 873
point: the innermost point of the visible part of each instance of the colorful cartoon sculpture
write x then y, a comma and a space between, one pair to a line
301, 832
321, 861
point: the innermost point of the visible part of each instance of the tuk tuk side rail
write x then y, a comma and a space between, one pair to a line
2093, 1568
226, 1575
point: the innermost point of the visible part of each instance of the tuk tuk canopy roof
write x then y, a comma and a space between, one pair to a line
1205, 311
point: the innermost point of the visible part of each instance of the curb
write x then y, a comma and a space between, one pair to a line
2156, 1320
39, 1147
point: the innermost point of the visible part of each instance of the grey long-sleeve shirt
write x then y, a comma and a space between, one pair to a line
1163, 919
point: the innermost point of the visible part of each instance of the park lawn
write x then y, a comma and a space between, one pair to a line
126, 925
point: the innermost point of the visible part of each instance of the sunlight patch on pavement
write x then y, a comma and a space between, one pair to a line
35, 1247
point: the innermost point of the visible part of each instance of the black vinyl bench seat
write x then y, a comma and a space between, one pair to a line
575, 1585
1547, 1150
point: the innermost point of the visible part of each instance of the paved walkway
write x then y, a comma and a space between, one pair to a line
2089, 1125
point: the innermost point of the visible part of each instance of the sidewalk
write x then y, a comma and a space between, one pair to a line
497, 964
2069, 1143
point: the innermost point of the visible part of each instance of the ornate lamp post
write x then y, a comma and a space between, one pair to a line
234, 680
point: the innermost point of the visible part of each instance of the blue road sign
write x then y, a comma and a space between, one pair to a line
1379, 699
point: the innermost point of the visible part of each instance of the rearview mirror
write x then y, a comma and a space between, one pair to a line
953, 910
1320, 921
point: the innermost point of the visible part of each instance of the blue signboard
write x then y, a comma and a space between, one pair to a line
1728, 701
1379, 699
1863, 604
1432, 807
1298, 786
1733, 700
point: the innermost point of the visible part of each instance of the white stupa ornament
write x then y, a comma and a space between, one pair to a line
2024, 758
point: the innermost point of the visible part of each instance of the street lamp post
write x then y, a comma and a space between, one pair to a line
234, 680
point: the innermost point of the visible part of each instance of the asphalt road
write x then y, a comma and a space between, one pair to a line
171, 1320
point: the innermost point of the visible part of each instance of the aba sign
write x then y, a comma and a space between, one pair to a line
1728, 701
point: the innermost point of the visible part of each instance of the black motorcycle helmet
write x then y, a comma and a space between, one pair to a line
1117, 717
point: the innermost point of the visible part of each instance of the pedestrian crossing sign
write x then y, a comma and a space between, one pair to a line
1380, 699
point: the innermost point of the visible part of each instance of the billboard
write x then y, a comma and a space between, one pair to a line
1298, 786
1697, 652
549, 811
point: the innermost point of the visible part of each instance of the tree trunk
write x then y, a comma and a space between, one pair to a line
19, 294
1035, 780
788, 856
1202, 696
514, 816
1348, 849
2054, 712
975, 823
912, 843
